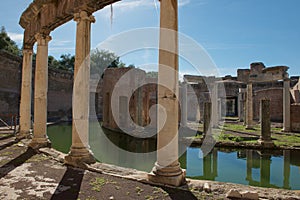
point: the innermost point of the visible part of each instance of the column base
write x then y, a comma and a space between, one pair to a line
78, 157
266, 144
23, 135
37, 143
286, 129
171, 175
249, 127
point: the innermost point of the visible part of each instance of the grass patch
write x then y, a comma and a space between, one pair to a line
138, 190
281, 139
37, 158
98, 183
225, 137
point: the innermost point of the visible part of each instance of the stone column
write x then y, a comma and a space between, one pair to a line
167, 168
207, 118
249, 108
214, 105
220, 109
26, 88
40, 138
286, 106
184, 104
265, 138
241, 105
139, 107
80, 152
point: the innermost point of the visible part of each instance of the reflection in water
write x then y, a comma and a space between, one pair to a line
277, 169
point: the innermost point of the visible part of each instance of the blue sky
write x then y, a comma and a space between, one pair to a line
233, 32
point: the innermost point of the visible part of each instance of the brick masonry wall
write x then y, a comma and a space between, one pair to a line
276, 104
10, 73
295, 117
60, 85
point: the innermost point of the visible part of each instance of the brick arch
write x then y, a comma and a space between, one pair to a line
43, 16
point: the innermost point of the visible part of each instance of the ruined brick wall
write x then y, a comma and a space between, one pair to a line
138, 113
296, 93
10, 73
295, 117
59, 88
276, 104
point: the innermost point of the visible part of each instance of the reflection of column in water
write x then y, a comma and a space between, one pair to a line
210, 166
249, 165
207, 166
265, 165
215, 163
286, 169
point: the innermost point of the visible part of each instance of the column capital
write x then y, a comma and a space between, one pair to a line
28, 51
84, 15
42, 39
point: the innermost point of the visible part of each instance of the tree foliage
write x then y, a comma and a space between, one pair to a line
102, 59
7, 44
66, 62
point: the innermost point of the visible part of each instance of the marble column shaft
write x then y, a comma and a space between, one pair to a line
286, 106
40, 138
26, 89
207, 127
265, 120
167, 168
215, 105
184, 105
249, 108
80, 152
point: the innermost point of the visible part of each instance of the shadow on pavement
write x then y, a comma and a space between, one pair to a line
16, 162
176, 194
69, 186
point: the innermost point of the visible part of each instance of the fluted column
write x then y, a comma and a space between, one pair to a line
286, 106
167, 168
249, 108
26, 88
80, 152
40, 138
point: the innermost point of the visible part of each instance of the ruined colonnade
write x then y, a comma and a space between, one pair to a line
39, 19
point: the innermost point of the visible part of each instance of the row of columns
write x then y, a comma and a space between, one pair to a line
249, 106
167, 168
79, 152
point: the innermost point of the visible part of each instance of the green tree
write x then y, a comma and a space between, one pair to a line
152, 74
7, 44
67, 62
102, 59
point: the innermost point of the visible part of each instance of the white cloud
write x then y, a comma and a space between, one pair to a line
15, 37
183, 2
59, 43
